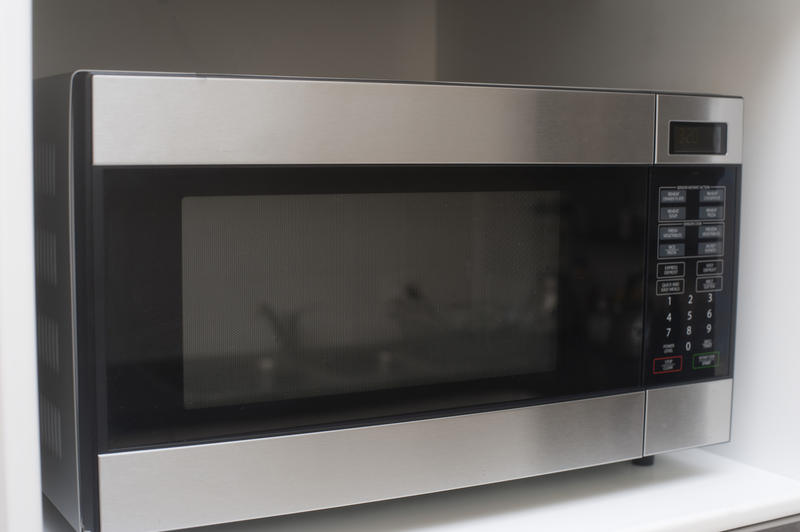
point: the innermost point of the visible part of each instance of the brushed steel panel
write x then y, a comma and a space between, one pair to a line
203, 484
684, 108
690, 415
171, 120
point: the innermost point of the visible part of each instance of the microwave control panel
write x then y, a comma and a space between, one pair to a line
691, 277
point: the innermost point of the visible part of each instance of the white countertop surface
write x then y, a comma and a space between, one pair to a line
692, 490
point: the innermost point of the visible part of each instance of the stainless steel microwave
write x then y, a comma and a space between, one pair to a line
259, 296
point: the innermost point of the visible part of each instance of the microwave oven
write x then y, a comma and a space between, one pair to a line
259, 296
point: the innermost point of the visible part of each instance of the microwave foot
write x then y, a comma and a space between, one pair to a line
644, 461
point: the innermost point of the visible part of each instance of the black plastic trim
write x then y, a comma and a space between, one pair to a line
129, 187
87, 405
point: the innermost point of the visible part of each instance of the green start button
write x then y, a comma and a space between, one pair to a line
705, 360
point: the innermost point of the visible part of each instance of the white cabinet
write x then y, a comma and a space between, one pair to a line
19, 456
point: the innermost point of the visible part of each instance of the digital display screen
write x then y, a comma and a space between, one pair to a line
698, 138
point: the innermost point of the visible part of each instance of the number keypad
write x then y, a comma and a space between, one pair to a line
686, 280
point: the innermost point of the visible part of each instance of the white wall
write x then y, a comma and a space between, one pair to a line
346, 38
20, 501
738, 47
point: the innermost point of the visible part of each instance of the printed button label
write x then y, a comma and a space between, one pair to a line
671, 232
671, 286
670, 269
711, 212
667, 364
709, 248
673, 213
671, 250
709, 284
705, 360
710, 231
672, 195
712, 195
709, 267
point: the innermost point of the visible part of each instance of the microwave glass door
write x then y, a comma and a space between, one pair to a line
269, 300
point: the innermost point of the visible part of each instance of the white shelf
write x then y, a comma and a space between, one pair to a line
691, 490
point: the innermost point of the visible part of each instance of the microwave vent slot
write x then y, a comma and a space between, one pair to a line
50, 426
46, 268
45, 168
47, 342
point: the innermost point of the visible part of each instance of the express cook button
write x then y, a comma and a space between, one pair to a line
670, 269
667, 364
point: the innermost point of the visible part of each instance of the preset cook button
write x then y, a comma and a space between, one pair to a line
709, 267
673, 213
673, 195
712, 195
667, 364
671, 250
709, 231
671, 232
710, 248
709, 284
670, 286
711, 212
